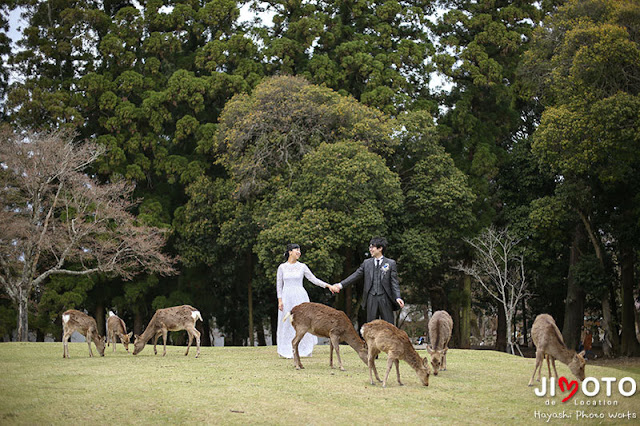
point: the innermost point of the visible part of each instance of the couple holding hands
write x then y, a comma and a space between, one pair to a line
381, 291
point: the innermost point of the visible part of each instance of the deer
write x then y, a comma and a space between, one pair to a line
117, 327
73, 320
324, 321
164, 320
550, 344
440, 327
380, 335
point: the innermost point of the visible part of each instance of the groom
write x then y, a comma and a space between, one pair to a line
381, 289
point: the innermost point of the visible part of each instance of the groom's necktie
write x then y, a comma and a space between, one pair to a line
377, 288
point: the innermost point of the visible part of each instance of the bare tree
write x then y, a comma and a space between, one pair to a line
499, 268
55, 219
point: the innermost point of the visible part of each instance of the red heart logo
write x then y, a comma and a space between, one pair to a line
570, 387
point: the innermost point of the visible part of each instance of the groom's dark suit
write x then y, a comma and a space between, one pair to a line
381, 288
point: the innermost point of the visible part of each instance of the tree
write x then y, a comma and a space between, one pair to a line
480, 44
499, 269
5, 50
377, 51
55, 215
585, 68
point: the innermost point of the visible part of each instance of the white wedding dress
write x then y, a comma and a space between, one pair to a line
290, 289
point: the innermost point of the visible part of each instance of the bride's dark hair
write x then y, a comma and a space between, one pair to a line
289, 248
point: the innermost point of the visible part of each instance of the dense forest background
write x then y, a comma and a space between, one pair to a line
334, 121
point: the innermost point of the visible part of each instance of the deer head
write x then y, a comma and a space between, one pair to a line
577, 365
436, 358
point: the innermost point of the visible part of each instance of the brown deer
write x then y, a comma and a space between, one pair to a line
379, 335
170, 319
117, 327
73, 320
440, 327
549, 342
324, 321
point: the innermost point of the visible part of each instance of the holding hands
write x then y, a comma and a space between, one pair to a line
334, 288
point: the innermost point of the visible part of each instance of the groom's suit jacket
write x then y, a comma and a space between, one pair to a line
388, 279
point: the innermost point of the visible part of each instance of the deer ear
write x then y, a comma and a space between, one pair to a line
130, 334
582, 354
431, 351
135, 336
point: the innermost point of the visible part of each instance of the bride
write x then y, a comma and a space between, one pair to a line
291, 293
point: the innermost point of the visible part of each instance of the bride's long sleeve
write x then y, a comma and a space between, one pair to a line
279, 282
317, 281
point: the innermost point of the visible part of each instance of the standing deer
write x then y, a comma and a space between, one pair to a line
379, 335
73, 320
549, 342
117, 327
170, 319
440, 327
324, 321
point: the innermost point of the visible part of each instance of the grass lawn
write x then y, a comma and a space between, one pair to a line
240, 385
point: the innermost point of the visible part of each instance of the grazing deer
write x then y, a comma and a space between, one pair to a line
440, 327
549, 342
324, 321
379, 335
117, 327
170, 319
73, 320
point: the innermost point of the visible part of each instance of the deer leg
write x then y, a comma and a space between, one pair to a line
197, 334
165, 332
294, 343
553, 363
190, 340
397, 362
389, 365
155, 341
89, 336
372, 365
330, 353
549, 364
539, 357
335, 342
193, 332
65, 345
113, 340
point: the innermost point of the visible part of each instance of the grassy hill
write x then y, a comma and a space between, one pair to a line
240, 385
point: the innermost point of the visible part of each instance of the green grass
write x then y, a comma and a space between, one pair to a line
234, 385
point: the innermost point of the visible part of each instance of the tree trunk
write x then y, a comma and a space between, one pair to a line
137, 323
525, 340
262, 341
508, 318
250, 298
23, 315
501, 332
574, 304
205, 339
630, 346
465, 314
610, 344
100, 322
456, 327
274, 326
